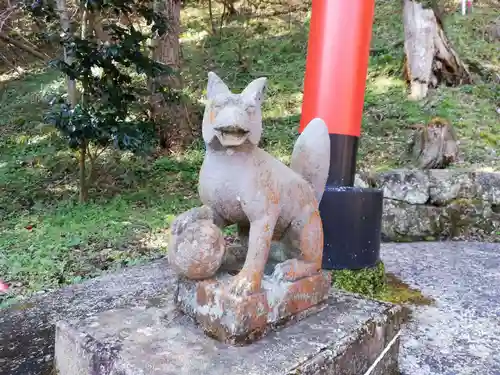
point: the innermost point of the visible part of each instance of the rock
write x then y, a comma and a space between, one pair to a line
411, 186
360, 181
488, 184
468, 219
440, 204
345, 337
459, 219
404, 221
448, 185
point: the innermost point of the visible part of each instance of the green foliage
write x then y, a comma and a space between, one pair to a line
40, 9
105, 113
110, 108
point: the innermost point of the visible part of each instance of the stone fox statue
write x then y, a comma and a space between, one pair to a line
243, 184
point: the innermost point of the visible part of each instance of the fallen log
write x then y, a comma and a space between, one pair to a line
23, 46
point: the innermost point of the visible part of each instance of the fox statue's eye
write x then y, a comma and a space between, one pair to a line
216, 107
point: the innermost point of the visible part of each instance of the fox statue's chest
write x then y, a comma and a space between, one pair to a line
222, 188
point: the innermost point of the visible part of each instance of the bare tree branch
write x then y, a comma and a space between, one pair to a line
22, 46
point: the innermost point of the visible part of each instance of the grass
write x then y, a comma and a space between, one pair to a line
48, 240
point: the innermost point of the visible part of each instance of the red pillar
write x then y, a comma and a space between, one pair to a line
337, 63
334, 87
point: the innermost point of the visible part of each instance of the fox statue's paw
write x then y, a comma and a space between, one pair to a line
294, 269
244, 284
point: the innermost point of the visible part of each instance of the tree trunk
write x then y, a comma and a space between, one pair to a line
66, 28
172, 114
429, 58
82, 163
211, 15
230, 8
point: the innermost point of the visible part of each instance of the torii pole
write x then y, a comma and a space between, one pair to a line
334, 87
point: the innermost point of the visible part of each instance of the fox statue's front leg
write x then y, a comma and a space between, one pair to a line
249, 279
262, 210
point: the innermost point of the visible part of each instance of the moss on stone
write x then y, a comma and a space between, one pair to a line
377, 284
397, 291
402, 239
367, 281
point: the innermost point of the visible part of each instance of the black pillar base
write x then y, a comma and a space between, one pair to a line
352, 225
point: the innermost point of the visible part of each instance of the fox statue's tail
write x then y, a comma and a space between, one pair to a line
311, 155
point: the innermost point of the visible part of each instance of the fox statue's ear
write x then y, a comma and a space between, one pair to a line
256, 89
215, 86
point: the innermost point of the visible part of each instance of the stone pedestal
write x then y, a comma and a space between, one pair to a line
348, 335
244, 319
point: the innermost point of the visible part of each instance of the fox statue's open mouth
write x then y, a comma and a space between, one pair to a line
231, 136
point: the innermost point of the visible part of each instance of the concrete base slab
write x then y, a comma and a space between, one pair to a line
460, 333
243, 319
348, 336
435, 342
27, 329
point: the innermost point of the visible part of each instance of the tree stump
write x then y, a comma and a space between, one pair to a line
429, 58
494, 31
434, 146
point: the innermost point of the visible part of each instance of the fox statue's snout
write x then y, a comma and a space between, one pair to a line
230, 124
233, 119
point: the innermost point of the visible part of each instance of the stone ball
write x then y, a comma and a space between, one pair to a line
198, 251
